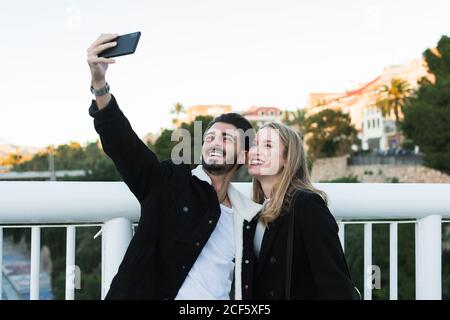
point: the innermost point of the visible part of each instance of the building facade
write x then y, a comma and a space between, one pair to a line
213, 110
263, 115
376, 132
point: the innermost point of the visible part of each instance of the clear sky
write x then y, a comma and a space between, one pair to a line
238, 52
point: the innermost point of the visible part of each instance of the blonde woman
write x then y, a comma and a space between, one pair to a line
295, 243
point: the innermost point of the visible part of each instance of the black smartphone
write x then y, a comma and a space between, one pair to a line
126, 44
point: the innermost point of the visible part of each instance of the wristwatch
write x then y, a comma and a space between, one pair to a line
100, 92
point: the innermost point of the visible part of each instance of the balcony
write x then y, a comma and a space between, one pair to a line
112, 207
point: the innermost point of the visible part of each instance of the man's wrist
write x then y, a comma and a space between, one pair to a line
100, 90
98, 84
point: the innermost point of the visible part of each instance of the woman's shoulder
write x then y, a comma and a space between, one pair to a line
310, 205
303, 197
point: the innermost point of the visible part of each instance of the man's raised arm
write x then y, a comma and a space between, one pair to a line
136, 163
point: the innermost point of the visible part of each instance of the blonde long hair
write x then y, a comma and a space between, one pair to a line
294, 176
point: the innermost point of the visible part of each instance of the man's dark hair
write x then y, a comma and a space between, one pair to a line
236, 120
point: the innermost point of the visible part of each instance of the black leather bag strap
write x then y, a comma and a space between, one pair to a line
356, 293
290, 252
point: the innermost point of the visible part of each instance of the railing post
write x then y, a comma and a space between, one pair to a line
35, 262
393, 261
368, 278
1, 262
429, 258
116, 235
341, 234
71, 269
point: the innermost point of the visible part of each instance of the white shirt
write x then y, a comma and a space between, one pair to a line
212, 273
259, 232
258, 239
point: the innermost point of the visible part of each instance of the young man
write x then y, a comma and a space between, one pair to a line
188, 244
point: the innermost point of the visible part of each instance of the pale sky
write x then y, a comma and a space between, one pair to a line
238, 52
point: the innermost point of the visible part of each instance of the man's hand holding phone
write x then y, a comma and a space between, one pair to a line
99, 65
99, 57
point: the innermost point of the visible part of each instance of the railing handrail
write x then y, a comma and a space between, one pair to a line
63, 202
14, 175
87, 202
113, 205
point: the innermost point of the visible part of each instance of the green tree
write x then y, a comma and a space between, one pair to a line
39, 162
330, 133
427, 112
346, 179
92, 154
204, 121
69, 156
163, 145
103, 170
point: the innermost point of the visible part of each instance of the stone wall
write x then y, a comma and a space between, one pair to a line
333, 168
329, 168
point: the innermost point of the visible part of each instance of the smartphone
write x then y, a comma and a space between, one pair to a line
126, 44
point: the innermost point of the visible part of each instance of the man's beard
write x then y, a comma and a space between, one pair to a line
217, 169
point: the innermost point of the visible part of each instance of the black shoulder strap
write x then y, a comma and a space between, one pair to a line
290, 251
356, 293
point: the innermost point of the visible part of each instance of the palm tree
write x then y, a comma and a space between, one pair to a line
286, 118
177, 109
295, 119
393, 98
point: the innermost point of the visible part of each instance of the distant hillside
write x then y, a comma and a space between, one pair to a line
6, 149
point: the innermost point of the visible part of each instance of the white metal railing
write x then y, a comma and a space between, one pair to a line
111, 204
41, 174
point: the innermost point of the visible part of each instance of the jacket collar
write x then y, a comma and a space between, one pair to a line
242, 205
243, 209
200, 173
